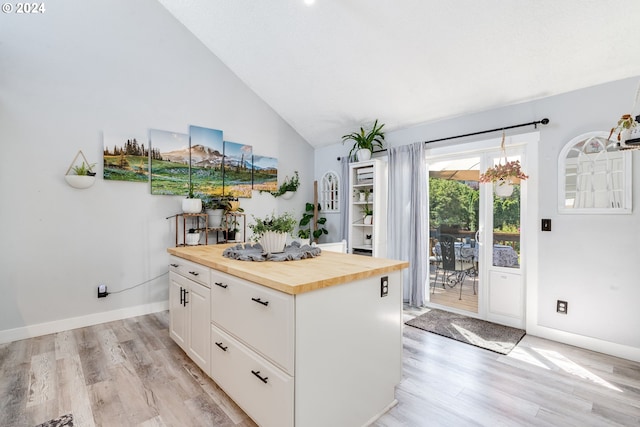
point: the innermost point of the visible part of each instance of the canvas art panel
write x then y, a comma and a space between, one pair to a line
265, 173
238, 170
125, 157
169, 152
207, 156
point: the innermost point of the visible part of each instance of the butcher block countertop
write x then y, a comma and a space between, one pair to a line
292, 277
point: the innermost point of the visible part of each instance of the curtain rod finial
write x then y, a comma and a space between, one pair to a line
544, 121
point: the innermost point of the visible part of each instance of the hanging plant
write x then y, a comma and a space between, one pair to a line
504, 172
626, 123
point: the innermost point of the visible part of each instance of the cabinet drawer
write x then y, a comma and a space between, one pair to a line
262, 390
191, 270
258, 316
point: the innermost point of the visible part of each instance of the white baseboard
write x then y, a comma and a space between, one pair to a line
80, 322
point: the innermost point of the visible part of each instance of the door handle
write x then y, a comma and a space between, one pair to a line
185, 297
257, 374
222, 285
219, 344
259, 301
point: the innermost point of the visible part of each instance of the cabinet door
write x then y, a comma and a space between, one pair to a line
177, 317
198, 304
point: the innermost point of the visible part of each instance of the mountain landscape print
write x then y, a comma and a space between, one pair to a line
125, 158
207, 157
237, 165
169, 152
265, 173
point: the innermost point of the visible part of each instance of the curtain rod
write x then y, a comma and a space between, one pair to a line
544, 121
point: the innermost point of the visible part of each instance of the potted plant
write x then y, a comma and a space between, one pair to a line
502, 175
288, 187
367, 211
191, 204
193, 237
305, 224
365, 142
626, 123
83, 176
214, 208
272, 231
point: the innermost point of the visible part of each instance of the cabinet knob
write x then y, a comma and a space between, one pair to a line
257, 374
219, 344
259, 301
222, 285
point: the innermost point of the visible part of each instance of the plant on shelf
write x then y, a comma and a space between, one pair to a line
193, 237
367, 212
365, 142
305, 225
191, 204
84, 169
271, 231
624, 126
289, 185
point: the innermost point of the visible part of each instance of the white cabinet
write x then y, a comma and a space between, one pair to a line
368, 192
190, 310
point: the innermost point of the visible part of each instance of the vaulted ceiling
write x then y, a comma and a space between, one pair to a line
332, 66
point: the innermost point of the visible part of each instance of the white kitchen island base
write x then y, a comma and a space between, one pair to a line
308, 343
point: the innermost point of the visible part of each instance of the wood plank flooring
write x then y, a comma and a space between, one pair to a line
130, 373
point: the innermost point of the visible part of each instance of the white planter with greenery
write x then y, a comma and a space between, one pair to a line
191, 205
503, 188
364, 141
272, 231
215, 217
273, 242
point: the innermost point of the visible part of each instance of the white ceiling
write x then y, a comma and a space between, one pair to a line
330, 67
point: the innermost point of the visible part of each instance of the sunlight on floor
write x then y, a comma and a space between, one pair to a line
549, 359
478, 340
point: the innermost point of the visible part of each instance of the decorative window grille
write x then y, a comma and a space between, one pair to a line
328, 192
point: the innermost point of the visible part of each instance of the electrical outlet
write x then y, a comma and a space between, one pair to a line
546, 224
384, 286
562, 307
102, 291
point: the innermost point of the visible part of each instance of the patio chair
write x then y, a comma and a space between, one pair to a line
451, 274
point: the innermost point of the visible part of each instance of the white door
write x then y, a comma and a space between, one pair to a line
487, 230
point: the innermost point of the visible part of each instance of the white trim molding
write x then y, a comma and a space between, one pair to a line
47, 328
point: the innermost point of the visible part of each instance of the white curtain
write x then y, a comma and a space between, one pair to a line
343, 193
407, 229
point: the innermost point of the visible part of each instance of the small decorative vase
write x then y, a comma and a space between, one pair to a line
363, 154
368, 220
363, 197
192, 239
191, 205
273, 242
503, 188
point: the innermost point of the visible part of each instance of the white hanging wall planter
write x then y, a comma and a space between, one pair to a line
80, 181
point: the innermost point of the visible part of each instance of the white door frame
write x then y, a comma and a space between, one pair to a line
525, 145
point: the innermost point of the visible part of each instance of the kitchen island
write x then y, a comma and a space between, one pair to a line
313, 342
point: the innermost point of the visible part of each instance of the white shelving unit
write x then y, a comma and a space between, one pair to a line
368, 238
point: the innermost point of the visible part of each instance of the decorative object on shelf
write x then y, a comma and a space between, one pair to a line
365, 142
288, 187
627, 129
272, 231
367, 239
193, 237
83, 175
368, 214
191, 204
503, 175
215, 209
305, 224
256, 252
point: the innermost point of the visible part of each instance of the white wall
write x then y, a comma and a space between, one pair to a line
587, 260
80, 69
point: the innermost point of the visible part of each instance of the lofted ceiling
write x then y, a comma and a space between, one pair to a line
330, 67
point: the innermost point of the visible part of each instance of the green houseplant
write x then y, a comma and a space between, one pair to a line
288, 187
305, 225
271, 231
364, 142
623, 127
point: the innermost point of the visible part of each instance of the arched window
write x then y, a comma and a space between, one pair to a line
328, 192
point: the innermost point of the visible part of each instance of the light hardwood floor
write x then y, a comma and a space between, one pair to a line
130, 373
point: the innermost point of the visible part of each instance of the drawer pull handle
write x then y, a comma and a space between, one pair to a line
181, 295
259, 301
185, 297
194, 273
219, 344
257, 374
174, 265
222, 285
